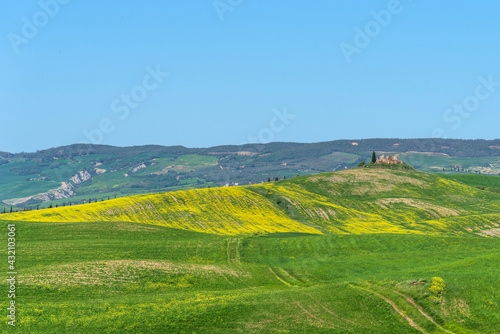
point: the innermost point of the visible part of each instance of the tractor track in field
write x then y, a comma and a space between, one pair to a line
396, 308
233, 248
411, 302
279, 278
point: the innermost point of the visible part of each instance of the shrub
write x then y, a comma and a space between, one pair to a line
436, 289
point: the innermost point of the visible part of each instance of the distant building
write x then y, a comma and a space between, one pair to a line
388, 160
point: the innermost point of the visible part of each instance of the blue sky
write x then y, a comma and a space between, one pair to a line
246, 71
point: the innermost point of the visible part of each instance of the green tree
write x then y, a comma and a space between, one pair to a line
374, 157
276, 178
361, 164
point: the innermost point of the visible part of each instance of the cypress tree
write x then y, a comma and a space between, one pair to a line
374, 157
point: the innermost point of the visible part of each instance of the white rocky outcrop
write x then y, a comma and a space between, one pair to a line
135, 169
80, 177
66, 190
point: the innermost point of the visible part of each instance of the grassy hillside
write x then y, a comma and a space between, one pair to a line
358, 201
443, 163
234, 210
98, 277
357, 251
382, 200
484, 182
110, 175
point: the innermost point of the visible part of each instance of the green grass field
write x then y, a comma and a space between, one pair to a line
117, 277
435, 162
358, 251
485, 182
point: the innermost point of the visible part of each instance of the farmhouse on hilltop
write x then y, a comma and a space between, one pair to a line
388, 160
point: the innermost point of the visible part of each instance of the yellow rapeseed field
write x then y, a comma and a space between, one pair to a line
228, 211
357, 201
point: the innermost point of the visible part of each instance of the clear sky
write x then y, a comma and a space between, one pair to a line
204, 73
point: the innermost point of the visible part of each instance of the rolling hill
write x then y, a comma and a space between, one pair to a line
364, 250
79, 172
354, 201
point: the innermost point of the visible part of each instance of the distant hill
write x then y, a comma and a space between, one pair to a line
83, 172
355, 201
452, 147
